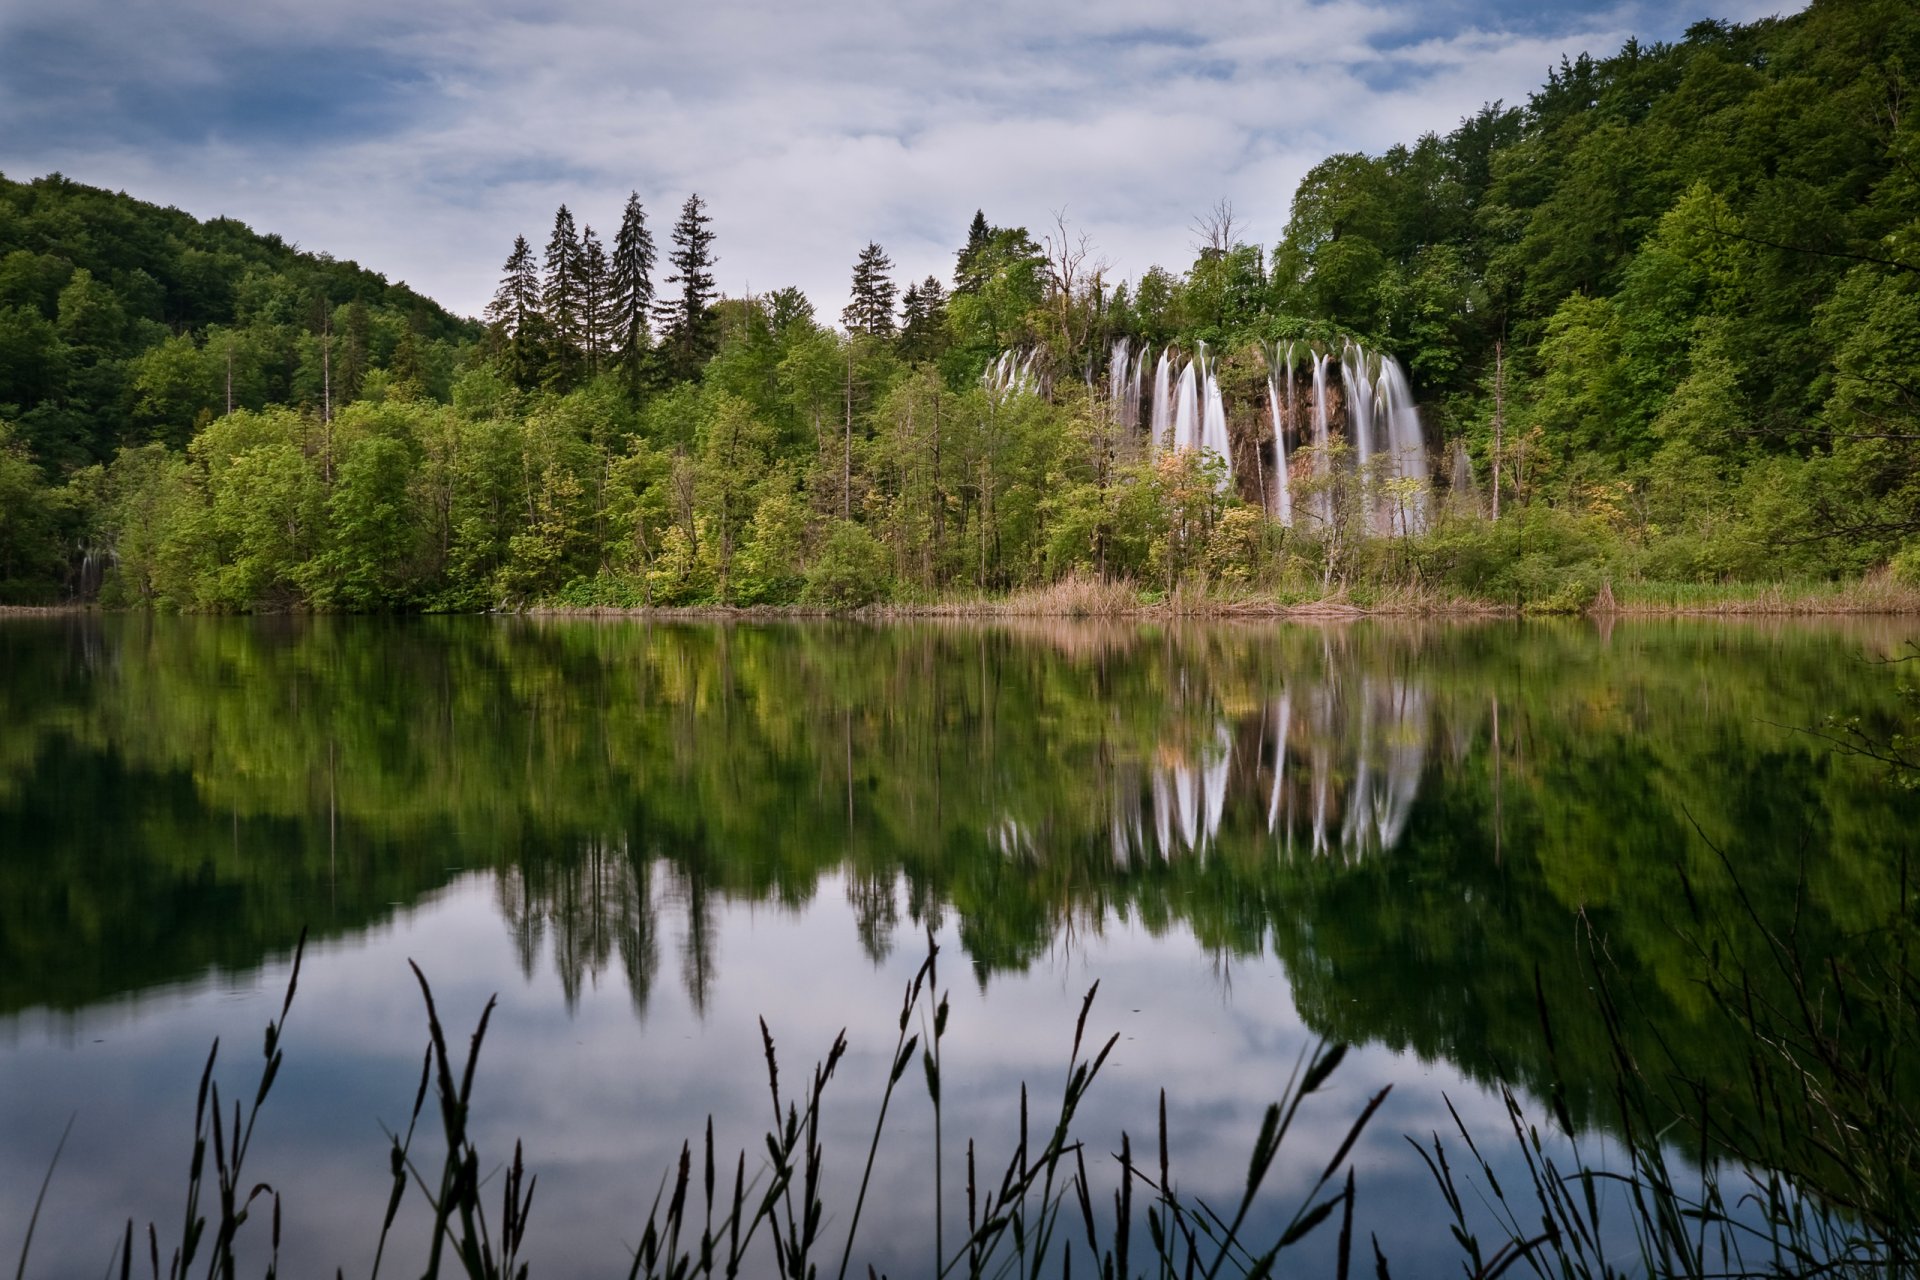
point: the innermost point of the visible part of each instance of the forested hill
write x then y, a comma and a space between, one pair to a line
120, 322
1663, 319
1717, 238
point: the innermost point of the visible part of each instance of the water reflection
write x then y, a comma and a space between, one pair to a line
179, 794
1412, 836
1333, 765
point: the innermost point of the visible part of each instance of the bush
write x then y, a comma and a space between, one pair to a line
850, 571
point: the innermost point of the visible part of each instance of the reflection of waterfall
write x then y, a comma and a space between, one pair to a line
1331, 769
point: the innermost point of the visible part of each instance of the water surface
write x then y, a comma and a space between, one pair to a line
645, 837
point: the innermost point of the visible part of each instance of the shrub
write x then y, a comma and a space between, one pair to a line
850, 570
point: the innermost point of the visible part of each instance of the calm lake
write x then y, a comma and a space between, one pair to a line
647, 837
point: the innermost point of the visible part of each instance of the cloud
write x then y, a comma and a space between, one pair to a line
419, 140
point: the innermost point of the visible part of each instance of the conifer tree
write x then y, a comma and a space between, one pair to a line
787, 308
870, 310
561, 297
517, 299
969, 271
514, 313
407, 370
923, 330
353, 351
686, 318
595, 300
630, 288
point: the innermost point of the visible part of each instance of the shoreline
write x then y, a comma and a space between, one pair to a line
1118, 602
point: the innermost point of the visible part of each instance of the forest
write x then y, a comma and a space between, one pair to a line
1662, 319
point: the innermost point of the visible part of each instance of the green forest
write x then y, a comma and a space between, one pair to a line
1663, 320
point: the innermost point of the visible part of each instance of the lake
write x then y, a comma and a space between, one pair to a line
645, 837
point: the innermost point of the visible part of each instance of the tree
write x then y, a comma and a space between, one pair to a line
630, 288
563, 296
515, 314
970, 270
923, 331
595, 299
870, 309
686, 322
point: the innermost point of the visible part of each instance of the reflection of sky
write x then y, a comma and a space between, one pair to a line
602, 1100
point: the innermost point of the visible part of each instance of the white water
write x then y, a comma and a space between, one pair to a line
1375, 415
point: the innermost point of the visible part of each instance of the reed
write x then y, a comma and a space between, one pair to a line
770, 1217
1828, 1184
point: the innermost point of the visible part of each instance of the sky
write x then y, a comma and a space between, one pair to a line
420, 138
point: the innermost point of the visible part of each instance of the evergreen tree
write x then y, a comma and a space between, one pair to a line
686, 320
517, 299
595, 300
630, 288
969, 271
923, 330
562, 297
870, 310
407, 369
519, 327
787, 308
353, 351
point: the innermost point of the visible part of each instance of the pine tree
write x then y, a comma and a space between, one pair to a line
969, 271
686, 320
518, 326
562, 296
870, 310
353, 351
518, 297
595, 300
407, 370
923, 333
788, 307
630, 290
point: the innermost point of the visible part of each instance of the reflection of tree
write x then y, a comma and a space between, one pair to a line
594, 900
876, 911
1415, 821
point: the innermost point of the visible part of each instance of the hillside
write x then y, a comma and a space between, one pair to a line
1662, 321
123, 323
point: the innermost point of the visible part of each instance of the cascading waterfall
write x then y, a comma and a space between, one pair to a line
1012, 374
1373, 412
1407, 439
1322, 441
1157, 430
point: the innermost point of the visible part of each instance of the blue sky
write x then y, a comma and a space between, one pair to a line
420, 138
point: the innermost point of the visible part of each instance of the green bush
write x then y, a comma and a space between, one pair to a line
850, 571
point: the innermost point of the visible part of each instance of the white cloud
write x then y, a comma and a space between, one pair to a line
809, 130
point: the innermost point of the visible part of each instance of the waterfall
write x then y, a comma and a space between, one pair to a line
1184, 408
1322, 462
1161, 421
1359, 392
1408, 442
1280, 493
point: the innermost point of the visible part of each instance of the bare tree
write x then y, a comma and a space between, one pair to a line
1074, 279
1213, 230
